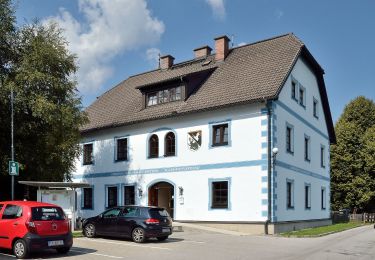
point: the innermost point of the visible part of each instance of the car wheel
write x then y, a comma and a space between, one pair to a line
89, 230
63, 250
138, 235
20, 249
162, 238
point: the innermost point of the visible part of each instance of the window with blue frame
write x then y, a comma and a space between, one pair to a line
112, 196
323, 198
88, 154
307, 196
289, 194
289, 139
122, 149
153, 144
129, 195
170, 144
302, 99
315, 108
87, 198
294, 90
307, 148
220, 134
219, 191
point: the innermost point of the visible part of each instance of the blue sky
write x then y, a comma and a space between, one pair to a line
118, 38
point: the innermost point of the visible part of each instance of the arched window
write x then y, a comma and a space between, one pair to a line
170, 144
153, 145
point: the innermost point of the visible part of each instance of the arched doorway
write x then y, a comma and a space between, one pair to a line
161, 194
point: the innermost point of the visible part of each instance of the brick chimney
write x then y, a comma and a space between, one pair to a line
221, 47
166, 61
203, 51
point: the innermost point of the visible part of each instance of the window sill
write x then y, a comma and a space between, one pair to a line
309, 208
121, 160
87, 208
323, 208
218, 145
316, 117
322, 166
290, 152
169, 155
290, 208
226, 208
302, 105
152, 157
84, 164
307, 160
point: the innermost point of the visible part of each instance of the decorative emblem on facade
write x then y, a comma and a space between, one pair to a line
194, 140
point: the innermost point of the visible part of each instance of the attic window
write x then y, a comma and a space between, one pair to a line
164, 96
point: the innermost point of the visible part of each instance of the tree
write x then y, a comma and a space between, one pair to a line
353, 157
48, 111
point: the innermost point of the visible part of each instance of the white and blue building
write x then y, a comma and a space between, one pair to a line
237, 139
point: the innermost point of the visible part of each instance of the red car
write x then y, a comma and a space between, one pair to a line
27, 226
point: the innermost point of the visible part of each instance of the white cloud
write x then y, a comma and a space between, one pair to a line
241, 44
279, 13
152, 55
218, 8
107, 29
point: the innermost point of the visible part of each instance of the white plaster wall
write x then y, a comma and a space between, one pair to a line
246, 138
306, 77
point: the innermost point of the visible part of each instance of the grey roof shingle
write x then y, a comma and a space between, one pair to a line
249, 73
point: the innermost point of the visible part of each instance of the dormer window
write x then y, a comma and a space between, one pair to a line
164, 96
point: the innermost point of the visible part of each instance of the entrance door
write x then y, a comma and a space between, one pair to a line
161, 194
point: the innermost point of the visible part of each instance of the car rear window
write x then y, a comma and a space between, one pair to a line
157, 213
47, 213
1, 207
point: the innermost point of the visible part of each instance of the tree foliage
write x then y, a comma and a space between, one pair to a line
353, 157
47, 111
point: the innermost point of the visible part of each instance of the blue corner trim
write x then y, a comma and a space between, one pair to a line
285, 107
264, 213
264, 178
264, 156
264, 167
264, 122
264, 133
187, 168
264, 145
264, 202
264, 190
264, 111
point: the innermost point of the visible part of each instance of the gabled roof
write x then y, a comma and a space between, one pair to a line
250, 73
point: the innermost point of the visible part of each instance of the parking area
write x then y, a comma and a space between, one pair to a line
357, 243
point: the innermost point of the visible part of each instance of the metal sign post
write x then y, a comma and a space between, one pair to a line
12, 137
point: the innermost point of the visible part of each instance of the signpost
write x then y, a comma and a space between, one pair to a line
13, 168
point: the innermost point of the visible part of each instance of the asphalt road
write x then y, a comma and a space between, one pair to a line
357, 243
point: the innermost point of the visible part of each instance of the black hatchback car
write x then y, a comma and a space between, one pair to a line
135, 222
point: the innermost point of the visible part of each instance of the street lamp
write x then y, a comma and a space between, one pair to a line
275, 151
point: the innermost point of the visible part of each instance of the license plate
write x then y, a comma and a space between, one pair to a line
56, 243
166, 230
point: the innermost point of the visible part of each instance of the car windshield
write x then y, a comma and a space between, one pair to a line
157, 213
47, 213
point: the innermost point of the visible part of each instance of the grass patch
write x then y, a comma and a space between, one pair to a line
77, 234
321, 231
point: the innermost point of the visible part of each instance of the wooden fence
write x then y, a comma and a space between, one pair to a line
345, 216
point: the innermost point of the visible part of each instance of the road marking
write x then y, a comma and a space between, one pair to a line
192, 241
7, 255
123, 244
85, 252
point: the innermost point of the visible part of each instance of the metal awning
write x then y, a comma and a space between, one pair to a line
46, 184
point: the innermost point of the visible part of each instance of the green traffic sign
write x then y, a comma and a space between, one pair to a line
14, 168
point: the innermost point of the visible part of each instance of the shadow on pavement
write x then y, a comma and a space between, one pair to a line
48, 253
